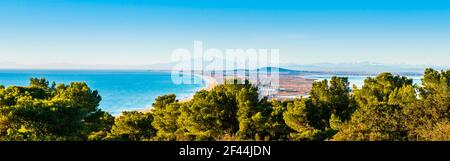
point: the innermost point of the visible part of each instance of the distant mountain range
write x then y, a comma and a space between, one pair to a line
325, 72
291, 68
363, 67
359, 67
280, 70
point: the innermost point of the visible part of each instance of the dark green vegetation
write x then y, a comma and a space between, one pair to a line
387, 107
43, 112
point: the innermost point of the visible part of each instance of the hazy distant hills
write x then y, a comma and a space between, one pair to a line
282, 71
302, 69
359, 67
285, 71
362, 67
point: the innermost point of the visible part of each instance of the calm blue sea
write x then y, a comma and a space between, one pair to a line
120, 90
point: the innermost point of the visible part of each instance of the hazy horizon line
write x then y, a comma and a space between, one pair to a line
344, 66
163, 66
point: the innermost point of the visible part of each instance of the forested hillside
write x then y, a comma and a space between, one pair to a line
387, 107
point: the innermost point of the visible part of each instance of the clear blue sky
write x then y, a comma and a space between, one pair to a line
139, 32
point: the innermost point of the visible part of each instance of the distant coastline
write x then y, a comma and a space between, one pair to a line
209, 84
135, 90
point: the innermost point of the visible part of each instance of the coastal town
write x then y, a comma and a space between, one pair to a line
285, 86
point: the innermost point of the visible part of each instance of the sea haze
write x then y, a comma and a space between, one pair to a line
120, 90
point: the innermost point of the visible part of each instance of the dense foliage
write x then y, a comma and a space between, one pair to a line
43, 112
386, 107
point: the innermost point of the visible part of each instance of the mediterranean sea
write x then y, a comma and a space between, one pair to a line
121, 90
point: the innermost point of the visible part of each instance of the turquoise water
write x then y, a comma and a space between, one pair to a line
120, 90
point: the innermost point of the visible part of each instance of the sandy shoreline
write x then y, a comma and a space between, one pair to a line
210, 84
